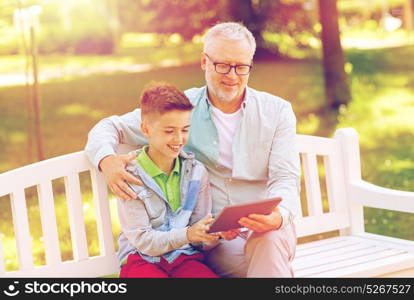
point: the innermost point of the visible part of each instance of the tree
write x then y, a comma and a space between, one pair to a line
186, 17
408, 14
336, 84
253, 17
272, 16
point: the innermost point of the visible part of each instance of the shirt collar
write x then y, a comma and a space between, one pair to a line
150, 167
208, 103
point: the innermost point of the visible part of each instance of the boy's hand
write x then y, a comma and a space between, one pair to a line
198, 231
113, 169
229, 234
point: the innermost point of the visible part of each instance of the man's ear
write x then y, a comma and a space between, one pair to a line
203, 62
144, 129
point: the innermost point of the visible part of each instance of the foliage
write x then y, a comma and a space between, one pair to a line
186, 17
381, 111
77, 27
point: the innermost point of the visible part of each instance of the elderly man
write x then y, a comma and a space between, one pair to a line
246, 140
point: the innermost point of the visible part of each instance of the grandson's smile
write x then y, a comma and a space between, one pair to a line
167, 134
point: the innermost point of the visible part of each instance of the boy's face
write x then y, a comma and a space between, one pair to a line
167, 133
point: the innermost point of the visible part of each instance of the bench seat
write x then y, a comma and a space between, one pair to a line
365, 255
354, 253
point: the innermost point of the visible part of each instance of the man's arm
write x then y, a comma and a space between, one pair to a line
105, 137
284, 166
284, 177
103, 142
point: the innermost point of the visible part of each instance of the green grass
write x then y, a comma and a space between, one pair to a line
71, 108
70, 66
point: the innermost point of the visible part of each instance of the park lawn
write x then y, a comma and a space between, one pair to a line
381, 111
154, 56
70, 108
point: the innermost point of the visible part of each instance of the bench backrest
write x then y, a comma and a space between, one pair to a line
40, 175
329, 212
13, 183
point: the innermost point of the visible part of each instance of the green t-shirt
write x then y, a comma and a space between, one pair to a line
169, 184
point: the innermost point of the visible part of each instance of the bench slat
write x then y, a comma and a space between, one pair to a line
21, 230
49, 226
374, 239
312, 185
324, 258
76, 218
316, 145
96, 266
373, 267
334, 175
340, 246
383, 255
325, 248
318, 243
45, 170
2, 267
323, 223
103, 216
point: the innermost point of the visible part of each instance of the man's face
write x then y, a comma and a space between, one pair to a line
226, 87
167, 133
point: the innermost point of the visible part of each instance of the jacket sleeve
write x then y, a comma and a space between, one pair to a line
204, 201
105, 137
203, 207
136, 226
284, 166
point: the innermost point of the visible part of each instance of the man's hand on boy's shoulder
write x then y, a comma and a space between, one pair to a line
116, 176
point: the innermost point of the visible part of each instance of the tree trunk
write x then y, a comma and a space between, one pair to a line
36, 98
336, 85
243, 11
408, 15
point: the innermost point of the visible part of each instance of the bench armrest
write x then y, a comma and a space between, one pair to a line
371, 195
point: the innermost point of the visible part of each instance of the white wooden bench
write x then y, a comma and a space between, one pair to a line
353, 253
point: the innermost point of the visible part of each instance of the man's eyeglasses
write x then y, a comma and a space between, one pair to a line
223, 68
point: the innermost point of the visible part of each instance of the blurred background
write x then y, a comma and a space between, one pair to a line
64, 65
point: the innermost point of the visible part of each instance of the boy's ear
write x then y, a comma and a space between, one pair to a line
144, 128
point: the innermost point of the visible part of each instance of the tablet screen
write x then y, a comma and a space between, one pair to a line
230, 215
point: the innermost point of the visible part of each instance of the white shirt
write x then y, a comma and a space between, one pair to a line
226, 125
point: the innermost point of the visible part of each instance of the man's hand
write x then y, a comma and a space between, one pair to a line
229, 234
198, 231
113, 169
262, 223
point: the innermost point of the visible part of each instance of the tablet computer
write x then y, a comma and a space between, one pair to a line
230, 215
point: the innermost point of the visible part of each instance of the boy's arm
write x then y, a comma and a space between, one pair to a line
137, 228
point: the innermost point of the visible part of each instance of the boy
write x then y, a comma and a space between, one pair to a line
156, 239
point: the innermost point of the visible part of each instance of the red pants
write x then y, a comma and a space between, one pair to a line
185, 266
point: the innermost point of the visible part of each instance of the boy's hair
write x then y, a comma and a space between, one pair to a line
160, 97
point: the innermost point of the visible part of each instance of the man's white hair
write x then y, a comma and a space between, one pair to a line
231, 31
